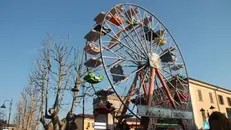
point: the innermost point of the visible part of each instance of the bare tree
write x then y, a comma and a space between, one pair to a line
27, 108
57, 70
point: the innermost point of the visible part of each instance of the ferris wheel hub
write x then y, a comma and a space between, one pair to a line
154, 60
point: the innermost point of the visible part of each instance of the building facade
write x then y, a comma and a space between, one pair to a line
207, 98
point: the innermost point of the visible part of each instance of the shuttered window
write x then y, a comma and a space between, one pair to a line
200, 95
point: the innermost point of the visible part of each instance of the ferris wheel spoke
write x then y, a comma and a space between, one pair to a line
135, 57
119, 54
134, 43
123, 28
129, 76
175, 87
130, 49
140, 42
121, 47
148, 45
113, 52
124, 59
118, 61
167, 81
126, 40
177, 77
134, 30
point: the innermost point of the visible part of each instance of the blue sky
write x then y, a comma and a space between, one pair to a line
200, 27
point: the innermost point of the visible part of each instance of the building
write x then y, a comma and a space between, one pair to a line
88, 122
207, 98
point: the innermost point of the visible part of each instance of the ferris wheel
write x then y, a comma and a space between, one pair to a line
131, 55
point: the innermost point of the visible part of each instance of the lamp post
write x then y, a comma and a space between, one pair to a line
83, 96
3, 106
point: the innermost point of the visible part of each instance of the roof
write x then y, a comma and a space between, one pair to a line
217, 87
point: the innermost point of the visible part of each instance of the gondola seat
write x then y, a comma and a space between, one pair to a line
181, 76
104, 30
177, 67
151, 35
92, 49
168, 57
116, 20
147, 20
93, 79
93, 62
117, 73
160, 41
183, 96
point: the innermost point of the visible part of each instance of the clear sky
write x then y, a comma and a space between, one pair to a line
201, 28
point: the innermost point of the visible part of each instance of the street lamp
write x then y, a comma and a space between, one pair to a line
3, 106
83, 102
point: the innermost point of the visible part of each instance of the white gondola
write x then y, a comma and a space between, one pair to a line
92, 49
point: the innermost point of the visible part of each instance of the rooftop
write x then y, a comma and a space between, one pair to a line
215, 86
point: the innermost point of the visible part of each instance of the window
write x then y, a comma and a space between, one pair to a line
93, 125
211, 97
220, 98
200, 95
229, 101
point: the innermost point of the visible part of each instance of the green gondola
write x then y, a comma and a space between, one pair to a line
93, 79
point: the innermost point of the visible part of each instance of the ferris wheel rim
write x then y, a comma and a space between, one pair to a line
104, 65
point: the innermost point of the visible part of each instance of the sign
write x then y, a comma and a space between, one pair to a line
206, 125
100, 126
163, 112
